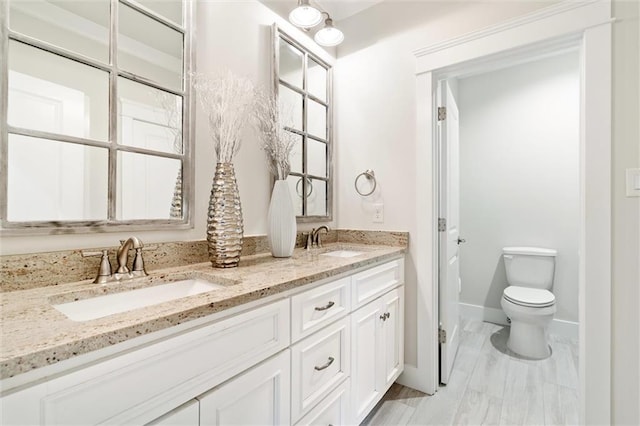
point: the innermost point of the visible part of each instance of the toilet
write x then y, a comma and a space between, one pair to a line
528, 301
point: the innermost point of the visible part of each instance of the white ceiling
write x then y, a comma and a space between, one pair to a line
337, 9
341, 9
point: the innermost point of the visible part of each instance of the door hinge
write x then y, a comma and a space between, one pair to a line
442, 336
442, 113
442, 224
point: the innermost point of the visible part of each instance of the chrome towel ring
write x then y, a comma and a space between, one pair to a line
309, 187
371, 176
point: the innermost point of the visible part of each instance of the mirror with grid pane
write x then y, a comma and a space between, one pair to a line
96, 114
302, 82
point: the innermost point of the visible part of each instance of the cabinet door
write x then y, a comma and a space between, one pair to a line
185, 415
366, 359
392, 336
258, 397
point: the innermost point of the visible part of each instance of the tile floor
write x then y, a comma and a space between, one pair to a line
491, 385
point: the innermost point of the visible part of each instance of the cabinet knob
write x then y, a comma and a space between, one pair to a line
325, 307
326, 365
383, 317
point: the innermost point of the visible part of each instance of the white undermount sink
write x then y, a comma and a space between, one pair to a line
342, 253
101, 306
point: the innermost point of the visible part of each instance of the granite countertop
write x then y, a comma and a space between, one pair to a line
34, 334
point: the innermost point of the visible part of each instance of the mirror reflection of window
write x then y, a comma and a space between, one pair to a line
303, 84
63, 136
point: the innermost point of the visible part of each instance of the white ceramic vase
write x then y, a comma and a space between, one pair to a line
281, 221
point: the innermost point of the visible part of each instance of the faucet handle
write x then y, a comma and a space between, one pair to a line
138, 263
104, 272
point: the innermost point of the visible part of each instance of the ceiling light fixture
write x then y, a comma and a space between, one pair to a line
305, 15
329, 35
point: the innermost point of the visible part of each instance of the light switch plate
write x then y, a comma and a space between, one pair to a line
633, 182
378, 213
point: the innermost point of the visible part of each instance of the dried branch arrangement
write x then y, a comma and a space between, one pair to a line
228, 100
171, 106
277, 142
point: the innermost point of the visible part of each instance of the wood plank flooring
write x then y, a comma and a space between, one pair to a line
490, 385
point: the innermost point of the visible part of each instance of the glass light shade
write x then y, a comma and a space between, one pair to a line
305, 15
329, 35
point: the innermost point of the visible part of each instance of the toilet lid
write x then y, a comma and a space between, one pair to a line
534, 297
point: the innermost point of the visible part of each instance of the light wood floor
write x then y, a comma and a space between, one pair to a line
492, 385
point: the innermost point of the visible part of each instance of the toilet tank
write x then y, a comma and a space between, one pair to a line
529, 266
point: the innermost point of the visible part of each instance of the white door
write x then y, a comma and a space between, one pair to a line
261, 396
449, 268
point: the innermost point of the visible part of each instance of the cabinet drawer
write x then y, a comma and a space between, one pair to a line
318, 364
141, 385
315, 308
369, 284
333, 410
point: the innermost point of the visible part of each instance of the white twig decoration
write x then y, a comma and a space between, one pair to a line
277, 142
228, 100
171, 106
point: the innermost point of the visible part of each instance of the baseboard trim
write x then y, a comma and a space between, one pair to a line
562, 328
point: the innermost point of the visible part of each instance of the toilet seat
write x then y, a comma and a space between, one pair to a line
529, 297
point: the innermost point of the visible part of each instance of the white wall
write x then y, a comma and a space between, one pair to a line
625, 291
375, 112
519, 175
235, 35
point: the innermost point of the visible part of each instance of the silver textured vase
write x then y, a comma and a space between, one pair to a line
224, 221
176, 200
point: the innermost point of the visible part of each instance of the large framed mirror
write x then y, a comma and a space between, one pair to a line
302, 83
96, 115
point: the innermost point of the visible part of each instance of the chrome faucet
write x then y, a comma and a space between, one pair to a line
315, 235
137, 268
122, 255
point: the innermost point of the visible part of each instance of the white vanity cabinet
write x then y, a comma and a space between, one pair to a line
143, 384
322, 354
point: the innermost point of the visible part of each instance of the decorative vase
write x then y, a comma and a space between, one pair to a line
224, 221
281, 221
176, 200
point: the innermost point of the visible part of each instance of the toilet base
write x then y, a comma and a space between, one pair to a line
528, 340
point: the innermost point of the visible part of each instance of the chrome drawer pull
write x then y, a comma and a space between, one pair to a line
322, 367
325, 307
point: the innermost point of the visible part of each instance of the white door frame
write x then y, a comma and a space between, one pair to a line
588, 24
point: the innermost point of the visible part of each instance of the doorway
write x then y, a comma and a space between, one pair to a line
586, 26
509, 176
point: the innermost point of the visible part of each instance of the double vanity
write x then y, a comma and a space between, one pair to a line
313, 339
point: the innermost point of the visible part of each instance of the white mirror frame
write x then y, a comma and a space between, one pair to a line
277, 35
111, 224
